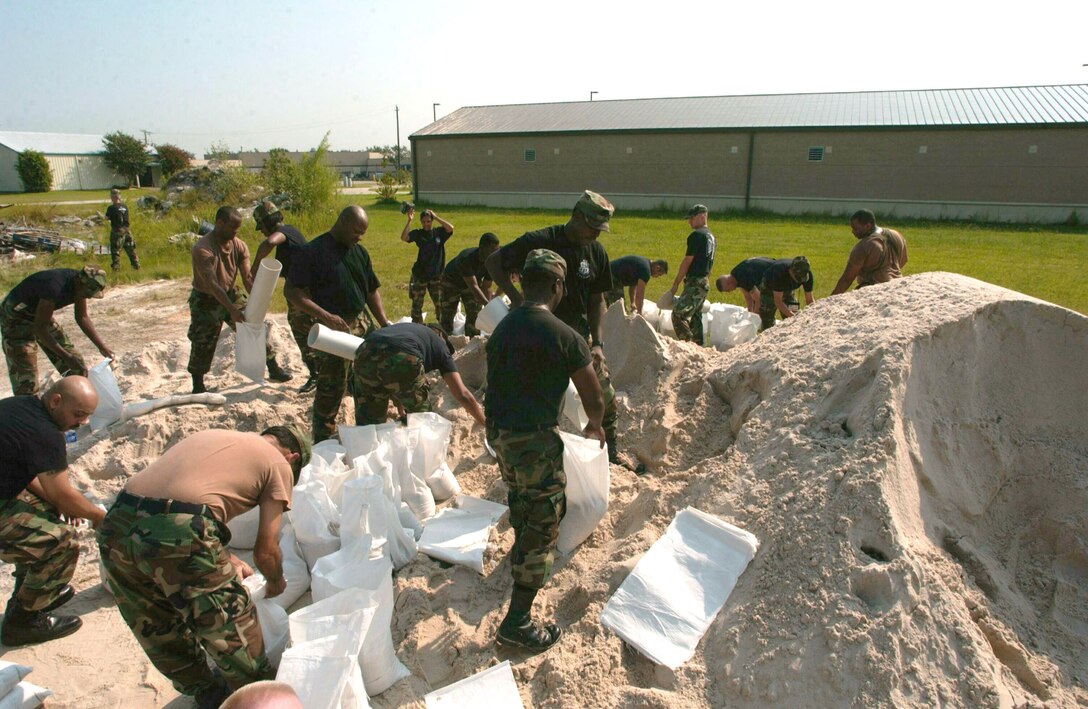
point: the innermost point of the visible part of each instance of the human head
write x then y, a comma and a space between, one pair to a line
293, 443
543, 277
488, 244
267, 215
264, 694
698, 215
426, 218
350, 225
115, 195
227, 222
658, 267
862, 223
92, 282
800, 271
589, 218
70, 402
726, 283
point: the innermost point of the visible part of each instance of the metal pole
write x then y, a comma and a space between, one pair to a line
434, 113
591, 93
397, 108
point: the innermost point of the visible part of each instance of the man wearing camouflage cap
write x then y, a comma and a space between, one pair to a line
588, 278
687, 313
26, 321
163, 546
531, 357
776, 289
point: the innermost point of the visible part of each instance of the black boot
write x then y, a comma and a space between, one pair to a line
215, 695
517, 629
276, 373
311, 381
198, 384
23, 627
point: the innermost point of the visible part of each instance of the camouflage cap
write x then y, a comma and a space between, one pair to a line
305, 446
93, 280
545, 260
596, 209
264, 210
800, 269
697, 209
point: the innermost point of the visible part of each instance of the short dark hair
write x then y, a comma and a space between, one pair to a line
285, 438
228, 214
489, 239
272, 220
864, 216
660, 263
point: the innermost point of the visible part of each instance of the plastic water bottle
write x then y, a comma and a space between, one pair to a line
69, 437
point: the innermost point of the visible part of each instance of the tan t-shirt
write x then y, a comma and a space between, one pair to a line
222, 260
228, 471
881, 256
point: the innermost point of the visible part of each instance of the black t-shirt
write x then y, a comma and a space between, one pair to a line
31, 444
339, 279
588, 271
294, 241
749, 272
777, 277
56, 284
418, 340
701, 247
629, 270
432, 252
466, 265
118, 216
530, 358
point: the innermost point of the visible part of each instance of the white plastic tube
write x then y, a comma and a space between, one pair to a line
263, 285
334, 342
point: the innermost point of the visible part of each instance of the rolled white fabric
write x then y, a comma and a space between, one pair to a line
334, 342
263, 285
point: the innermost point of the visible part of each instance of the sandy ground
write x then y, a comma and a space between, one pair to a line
912, 457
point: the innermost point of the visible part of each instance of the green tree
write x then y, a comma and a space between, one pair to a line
172, 159
34, 171
309, 185
218, 150
278, 173
389, 155
125, 155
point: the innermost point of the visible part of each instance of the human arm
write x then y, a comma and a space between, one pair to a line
477, 291
637, 295
903, 256
853, 268
780, 303
404, 233
446, 226
464, 396
245, 272
301, 299
266, 550
595, 316
751, 299
83, 319
374, 301
55, 488
809, 300
681, 273
43, 318
204, 272
264, 248
589, 391
501, 278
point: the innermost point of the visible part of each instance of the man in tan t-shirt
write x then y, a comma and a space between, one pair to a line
878, 257
218, 259
163, 545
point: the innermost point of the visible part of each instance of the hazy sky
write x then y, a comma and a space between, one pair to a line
280, 74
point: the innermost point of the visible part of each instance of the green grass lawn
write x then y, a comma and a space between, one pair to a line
1039, 261
129, 195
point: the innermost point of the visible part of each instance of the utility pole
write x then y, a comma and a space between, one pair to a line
397, 109
146, 133
434, 111
591, 94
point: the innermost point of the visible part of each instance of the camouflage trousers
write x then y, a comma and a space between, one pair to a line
332, 378
179, 594
531, 465
123, 240
451, 295
300, 324
21, 350
767, 308
206, 318
43, 549
383, 373
687, 313
417, 288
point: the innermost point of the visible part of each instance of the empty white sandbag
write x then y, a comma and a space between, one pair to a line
368, 512
585, 464
25, 696
10, 675
110, 404
493, 688
316, 521
458, 537
325, 672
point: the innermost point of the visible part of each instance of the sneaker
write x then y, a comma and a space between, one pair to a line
529, 637
30, 627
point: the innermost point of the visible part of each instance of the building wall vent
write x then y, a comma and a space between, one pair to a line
816, 154
530, 155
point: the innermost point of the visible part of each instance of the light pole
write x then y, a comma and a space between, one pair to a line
434, 111
591, 94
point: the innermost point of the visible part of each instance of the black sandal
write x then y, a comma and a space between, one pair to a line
529, 637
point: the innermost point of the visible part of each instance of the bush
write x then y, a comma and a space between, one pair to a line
386, 188
235, 185
172, 159
34, 171
125, 155
308, 186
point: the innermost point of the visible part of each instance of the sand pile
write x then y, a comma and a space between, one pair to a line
912, 458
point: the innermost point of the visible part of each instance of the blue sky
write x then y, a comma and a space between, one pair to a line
281, 74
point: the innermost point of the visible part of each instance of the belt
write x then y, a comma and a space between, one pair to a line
524, 429
155, 506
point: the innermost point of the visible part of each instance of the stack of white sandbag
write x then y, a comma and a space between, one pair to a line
727, 325
16, 692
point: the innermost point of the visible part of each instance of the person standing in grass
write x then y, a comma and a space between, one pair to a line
687, 313
120, 232
633, 272
878, 257
430, 261
466, 280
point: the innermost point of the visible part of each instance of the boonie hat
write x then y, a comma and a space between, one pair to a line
596, 209
305, 446
545, 260
800, 269
697, 209
264, 210
93, 280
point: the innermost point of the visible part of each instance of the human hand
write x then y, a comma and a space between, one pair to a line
411, 213
274, 588
335, 322
236, 314
594, 431
241, 568
108, 354
597, 352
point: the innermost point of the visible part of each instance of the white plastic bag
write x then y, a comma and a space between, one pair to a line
362, 440
586, 466
666, 301
243, 529
429, 455
572, 407
110, 403
325, 672
650, 313
458, 537
329, 449
459, 321
249, 350
731, 325
493, 688
368, 512
25, 696
667, 602
664, 323
273, 620
10, 675
494, 510
316, 521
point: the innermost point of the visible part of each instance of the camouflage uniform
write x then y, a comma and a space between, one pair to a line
43, 549
531, 464
383, 373
687, 314
122, 240
300, 324
332, 378
21, 350
178, 592
451, 295
206, 318
417, 288
767, 308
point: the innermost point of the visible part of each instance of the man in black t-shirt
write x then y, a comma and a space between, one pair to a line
333, 281
431, 259
466, 280
634, 272
120, 233
393, 364
286, 240
26, 321
531, 356
776, 289
687, 312
34, 493
746, 275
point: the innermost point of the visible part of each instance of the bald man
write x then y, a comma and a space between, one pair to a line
34, 495
333, 281
266, 694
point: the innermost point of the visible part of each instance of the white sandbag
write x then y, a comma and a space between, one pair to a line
664, 324
651, 313
10, 675
274, 628
731, 325
296, 575
493, 688
243, 529
665, 605
409, 521
494, 510
666, 301
352, 568
585, 464
572, 407
110, 404
361, 440
333, 475
368, 512
457, 537
413, 488
325, 673
316, 521
429, 456
329, 449
459, 321
249, 350
25, 696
